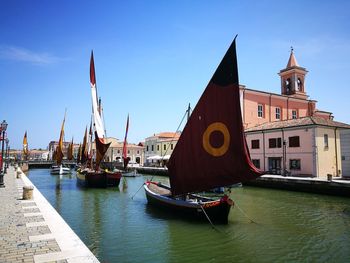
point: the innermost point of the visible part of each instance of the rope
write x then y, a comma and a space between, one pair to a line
211, 223
251, 220
137, 191
178, 127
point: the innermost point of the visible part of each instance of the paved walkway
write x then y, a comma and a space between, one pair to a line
32, 230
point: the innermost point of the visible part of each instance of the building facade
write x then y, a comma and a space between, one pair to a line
308, 146
159, 147
287, 134
259, 107
115, 151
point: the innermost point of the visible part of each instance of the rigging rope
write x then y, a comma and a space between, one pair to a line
251, 220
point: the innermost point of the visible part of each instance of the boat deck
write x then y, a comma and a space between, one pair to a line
159, 190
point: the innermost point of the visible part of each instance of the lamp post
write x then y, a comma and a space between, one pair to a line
6, 155
3, 127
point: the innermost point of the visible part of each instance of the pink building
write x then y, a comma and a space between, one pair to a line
286, 133
260, 107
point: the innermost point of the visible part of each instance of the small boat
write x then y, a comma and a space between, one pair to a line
211, 151
131, 173
58, 155
55, 169
92, 175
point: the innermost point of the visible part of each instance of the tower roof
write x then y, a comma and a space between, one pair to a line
292, 62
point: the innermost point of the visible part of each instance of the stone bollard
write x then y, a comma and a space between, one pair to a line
329, 177
19, 173
28, 192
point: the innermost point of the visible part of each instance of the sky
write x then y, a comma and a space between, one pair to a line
153, 58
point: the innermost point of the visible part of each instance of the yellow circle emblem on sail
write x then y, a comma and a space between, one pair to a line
216, 151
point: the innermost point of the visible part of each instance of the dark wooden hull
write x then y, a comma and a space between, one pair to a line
216, 209
99, 179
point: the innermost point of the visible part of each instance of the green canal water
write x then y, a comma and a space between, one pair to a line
290, 226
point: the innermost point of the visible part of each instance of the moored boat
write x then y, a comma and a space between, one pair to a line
92, 175
210, 153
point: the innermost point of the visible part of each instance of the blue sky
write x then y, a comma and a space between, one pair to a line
152, 58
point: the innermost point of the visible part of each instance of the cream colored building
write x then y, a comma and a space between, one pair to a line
115, 151
159, 147
308, 146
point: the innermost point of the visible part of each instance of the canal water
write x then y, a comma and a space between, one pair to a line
287, 227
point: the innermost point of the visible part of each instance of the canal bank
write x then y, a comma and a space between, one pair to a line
337, 187
31, 230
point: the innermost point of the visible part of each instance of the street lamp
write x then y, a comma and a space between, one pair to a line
6, 155
3, 127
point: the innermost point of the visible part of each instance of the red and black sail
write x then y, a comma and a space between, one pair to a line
211, 151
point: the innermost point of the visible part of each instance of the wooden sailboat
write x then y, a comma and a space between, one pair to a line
94, 176
211, 151
59, 168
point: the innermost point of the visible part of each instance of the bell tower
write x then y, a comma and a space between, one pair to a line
293, 78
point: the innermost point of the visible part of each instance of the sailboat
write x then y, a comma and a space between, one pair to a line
59, 168
126, 159
211, 151
94, 176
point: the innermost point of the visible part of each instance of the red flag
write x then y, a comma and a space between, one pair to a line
92, 70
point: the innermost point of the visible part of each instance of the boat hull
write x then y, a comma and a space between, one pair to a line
216, 209
60, 170
99, 179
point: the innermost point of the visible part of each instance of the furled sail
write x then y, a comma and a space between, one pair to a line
211, 151
25, 146
59, 149
84, 157
70, 151
79, 154
125, 155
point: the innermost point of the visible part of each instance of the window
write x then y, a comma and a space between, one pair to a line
260, 111
294, 164
325, 139
119, 150
128, 151
294, 114
255, 144
294, 141
146, 149
138, 152
171, 146
256, 163
164, 147
152, 147
158, 147
278, 113
275, 143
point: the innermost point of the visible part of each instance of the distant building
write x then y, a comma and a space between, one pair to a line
115, 151
53, 145
159, 147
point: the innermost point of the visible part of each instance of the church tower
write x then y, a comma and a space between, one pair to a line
293, 79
